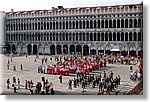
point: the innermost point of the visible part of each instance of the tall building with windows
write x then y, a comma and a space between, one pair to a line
81, 30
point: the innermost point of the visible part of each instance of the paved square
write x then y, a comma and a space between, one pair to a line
29, 72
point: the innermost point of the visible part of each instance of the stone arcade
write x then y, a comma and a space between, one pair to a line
82, 30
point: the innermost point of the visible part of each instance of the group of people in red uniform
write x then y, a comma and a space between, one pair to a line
76, 64
85, 64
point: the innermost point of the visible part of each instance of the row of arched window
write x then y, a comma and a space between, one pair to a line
101, 36
84, 24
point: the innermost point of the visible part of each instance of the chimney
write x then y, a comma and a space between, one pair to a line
12, 10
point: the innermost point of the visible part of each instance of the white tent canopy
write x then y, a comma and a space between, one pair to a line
115, 48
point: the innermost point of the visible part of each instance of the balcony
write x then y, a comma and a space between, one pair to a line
97, 12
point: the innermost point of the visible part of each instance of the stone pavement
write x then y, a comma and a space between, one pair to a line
29, 72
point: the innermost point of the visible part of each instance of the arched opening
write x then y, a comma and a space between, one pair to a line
106, 23
8, 48
72, 49
108, 52
29, 49
95, 24
122, 23
47, 25
126, 23
34, 49
93, 52
118, 23
73, 25
102, 23
53, 25
139, 23
69, 27
100, 52
139, 36
83, 24
135, 36
124, 53
102, 36
132, 53
122, 36
64, 25
110, 23
50, 25
56, 25
52, 49
130, 36
130, 23
91, 24
126, 36
76, 24
85, 50
60, 25
91, 36
80, 25
135, 23
79, 49
118, 36
110, 36
140, 53
106, 36
87, 24
114, 23
65, 49
114, 36
13, 48
59, 51
98, 23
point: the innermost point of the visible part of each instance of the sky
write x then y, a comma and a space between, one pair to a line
25, 5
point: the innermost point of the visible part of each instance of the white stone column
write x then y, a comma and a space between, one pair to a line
96, 36
124, 23
89, 50
128, 36
128, 23
136, 52
62, 49
96, 50
82, 49
100, 23
93, 36
128, 50
104, 51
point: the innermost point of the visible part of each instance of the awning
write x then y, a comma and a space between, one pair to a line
115, 48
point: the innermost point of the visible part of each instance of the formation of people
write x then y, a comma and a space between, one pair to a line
81, 66
104, 82
40, 88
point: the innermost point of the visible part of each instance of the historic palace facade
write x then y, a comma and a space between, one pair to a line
82, 30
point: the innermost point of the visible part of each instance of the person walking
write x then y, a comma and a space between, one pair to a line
75, 83
14, 68
21, 67
26, 84
7, 66
18, 83
70, 84
60, 78
15, 88
8, 83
